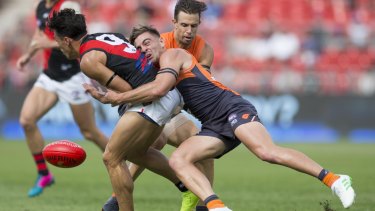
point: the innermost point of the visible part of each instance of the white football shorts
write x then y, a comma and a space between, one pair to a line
70, 91
161, 110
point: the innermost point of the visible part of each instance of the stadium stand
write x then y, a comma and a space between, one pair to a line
324, 46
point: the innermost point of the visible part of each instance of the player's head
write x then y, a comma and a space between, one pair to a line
147, 39
187, 17
69, 27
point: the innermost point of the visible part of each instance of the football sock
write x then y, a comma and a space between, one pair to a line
328, 178
213, 201
40, 164
181, 186
201, 208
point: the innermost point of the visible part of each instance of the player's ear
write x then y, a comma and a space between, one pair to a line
162, 42
68, 41
174, 21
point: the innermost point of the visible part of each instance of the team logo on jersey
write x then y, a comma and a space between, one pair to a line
232, 116
245, 116
65, 67
143, 64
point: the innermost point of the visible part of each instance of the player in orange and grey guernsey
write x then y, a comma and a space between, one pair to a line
61, 79
187, 17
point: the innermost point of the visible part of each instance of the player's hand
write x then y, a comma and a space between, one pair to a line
22, 61
105, 97
41, 41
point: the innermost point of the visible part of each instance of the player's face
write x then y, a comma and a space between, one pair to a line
66, 46
149, 44
185, 28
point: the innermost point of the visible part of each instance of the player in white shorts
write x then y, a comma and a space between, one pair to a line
70, 91
61, 79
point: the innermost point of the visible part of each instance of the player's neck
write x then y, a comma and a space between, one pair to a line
183, 46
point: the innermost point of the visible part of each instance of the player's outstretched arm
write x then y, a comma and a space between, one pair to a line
145, 93
171, 62
38, 41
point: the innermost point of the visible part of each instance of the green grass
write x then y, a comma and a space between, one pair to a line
242, 181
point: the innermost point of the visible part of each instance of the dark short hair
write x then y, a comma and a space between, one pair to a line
189, 7
67, 23
140, 30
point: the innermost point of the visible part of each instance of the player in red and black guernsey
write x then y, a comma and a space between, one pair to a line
227, 120
61, 79
112, 61
121, 58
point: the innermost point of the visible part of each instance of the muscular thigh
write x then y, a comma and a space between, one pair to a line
83, 115
198, 148
38, 102
179, 129
132, 135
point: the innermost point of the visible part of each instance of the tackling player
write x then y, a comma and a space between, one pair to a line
227, 121
187, 18
61, 79
117, 65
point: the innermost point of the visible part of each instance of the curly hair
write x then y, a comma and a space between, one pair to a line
68, 23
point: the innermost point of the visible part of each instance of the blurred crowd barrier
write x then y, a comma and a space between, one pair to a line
304, 49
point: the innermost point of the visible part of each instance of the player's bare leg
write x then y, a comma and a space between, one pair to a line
175, 132
85, 118
136, 170
131, 138
183, 159
179, 129
37, 103
256, 138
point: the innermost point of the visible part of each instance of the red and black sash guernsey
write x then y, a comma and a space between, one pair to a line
122, 57
55, 64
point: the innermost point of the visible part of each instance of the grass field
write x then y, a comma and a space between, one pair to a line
242, 181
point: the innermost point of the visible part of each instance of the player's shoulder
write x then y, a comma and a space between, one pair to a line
175, 55
176, 51
167, 35
114, 38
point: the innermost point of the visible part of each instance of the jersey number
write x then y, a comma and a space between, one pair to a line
113, 40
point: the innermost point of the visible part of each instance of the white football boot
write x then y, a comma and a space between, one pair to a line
342, 188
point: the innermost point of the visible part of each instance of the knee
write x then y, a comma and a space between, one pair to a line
109, 159
88, 134
27, 123
176, 161
266, 155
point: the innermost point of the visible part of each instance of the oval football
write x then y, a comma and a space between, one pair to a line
64, 154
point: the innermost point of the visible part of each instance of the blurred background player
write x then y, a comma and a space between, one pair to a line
187, 18
61, 79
